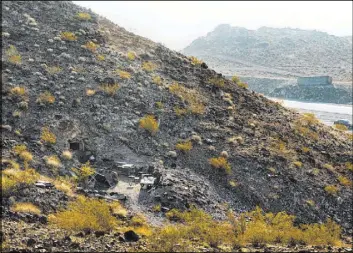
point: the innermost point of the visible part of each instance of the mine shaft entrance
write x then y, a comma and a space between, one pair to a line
75, 146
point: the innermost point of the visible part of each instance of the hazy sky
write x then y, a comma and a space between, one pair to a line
177, 23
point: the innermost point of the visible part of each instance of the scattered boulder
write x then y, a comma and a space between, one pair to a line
131, 236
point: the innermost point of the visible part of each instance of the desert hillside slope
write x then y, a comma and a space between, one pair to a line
275, 52
90, 82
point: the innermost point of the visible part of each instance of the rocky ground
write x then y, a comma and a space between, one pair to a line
259, 138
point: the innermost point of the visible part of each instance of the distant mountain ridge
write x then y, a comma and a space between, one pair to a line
275, 52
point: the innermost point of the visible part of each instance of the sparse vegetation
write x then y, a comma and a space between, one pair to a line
68, 36
306, 132
157, 80
53, 70
344, 181
117, 209
341, 127
84, 172
84, 213
243, 85
131, 55
18, 149
47, 136
220, 163
124, 74
310, 202
180, 111
12, 178
23, 153
304, 126
100, 57
159, 105
309, 119
46, 98
328, 167
11, 164
25, 207
349, 166
305, 149
13, 55
83, 16
184, 146
218, 82
52, 161
67, 155
279, 147
297, 164
17, 114
235, 79
148, 66
316, 171
66, 185
91, 46
331, 189
18, 91
149, 123
233, 183
157, 208
90, 92
196, 228
195, 61
109, 89
191, 97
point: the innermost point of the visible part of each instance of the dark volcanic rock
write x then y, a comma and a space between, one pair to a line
131, 236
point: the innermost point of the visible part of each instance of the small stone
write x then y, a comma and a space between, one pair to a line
43, 219
30, 60
23, 105
83, 59
36, 45
5, 34
6, 127
196, 138
12, 200
50, 40
75, 245
57, 38
172, 154
50, 50
31, 242
65, 55
99, 233
224, 154
211, 148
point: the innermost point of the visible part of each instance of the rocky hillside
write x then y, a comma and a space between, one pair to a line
272, 52
79, 91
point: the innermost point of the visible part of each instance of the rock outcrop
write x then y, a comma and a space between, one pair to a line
274, 52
